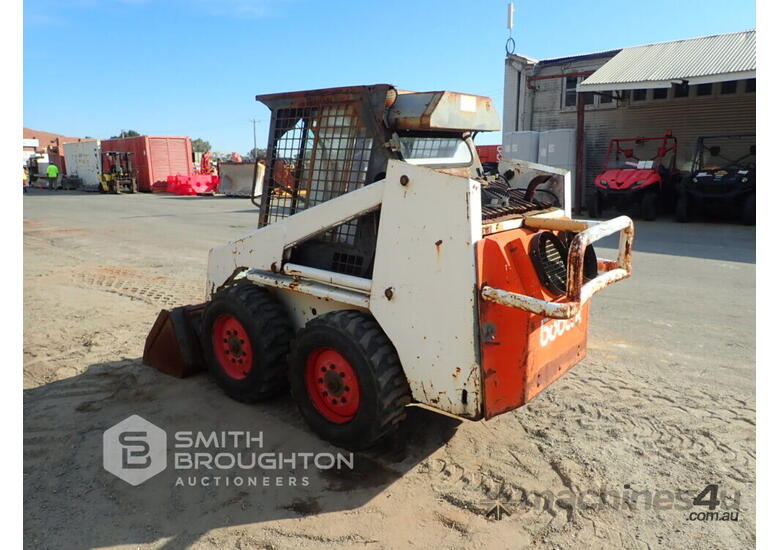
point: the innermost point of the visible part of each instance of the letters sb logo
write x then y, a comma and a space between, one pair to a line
134, 450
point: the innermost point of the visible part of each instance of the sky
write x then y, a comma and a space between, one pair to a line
193, 67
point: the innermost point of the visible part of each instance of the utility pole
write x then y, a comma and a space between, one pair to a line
254, 134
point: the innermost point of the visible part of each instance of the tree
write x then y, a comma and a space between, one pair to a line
126, 134
256, 153
200, 146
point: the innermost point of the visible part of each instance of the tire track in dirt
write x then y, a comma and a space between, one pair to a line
646, 416
679, 431
154, 289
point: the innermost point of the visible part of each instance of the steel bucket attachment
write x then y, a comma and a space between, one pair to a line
173, 344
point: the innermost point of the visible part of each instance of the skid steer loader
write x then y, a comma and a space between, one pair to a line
387, 269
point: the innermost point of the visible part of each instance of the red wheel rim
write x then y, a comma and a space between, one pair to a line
232, 347
332, 385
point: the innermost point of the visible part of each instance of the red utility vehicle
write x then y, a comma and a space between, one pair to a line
639, 171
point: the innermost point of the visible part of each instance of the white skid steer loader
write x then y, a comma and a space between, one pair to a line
388, 269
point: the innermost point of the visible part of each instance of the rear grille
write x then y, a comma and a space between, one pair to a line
496, 213
499, 201
549, 257
554, 265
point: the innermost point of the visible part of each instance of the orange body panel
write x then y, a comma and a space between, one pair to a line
522, 352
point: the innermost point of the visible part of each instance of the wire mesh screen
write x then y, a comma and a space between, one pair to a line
319, 153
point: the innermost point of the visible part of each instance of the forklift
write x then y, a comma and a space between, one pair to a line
117, 173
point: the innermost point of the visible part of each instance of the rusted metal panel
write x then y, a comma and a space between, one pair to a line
554, 347
351, 282
443, 111
430, 311
522, 352
577, 293
308, 98
312, 288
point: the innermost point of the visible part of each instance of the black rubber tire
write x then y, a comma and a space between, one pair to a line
270, 332
682, 210
594, 205
747, 213
384, 390
649, 207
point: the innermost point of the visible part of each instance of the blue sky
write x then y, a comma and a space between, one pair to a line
193, 67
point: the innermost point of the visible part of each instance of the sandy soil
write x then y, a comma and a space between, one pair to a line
663, 403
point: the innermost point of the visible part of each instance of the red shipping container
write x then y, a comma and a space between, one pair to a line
155, 158
489, 153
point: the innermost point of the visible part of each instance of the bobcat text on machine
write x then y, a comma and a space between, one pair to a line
388, 269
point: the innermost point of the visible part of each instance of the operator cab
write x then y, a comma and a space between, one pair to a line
325, 143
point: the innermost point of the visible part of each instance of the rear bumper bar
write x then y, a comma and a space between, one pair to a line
578, 292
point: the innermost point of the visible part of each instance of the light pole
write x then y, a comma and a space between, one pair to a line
254, 136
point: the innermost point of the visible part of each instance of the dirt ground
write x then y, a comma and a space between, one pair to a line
663, 404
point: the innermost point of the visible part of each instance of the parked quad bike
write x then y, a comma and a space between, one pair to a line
722, 178
627, 181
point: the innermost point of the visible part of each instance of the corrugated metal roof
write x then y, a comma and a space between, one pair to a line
697, 60
579, 57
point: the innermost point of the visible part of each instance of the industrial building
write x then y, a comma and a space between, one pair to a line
694, 87
46, 143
